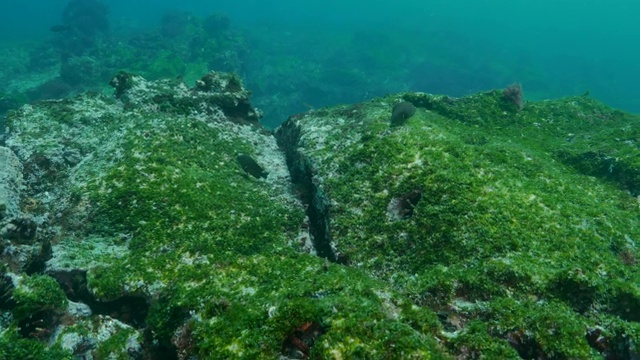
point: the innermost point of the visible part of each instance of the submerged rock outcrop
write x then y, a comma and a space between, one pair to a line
168, 224
476, 210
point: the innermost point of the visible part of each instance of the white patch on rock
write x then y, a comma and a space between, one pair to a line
72, 253
87, 335
10, 184
78, 309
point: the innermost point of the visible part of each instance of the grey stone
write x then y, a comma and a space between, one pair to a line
10, 184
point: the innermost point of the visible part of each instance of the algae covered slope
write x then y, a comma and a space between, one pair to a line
167, 223
144, 232
519, 227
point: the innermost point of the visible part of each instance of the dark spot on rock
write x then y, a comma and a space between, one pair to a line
524, 344
596, 339
250, 166
21, 230
121, 83
130, 309
74, 284
39, 325
299, 343
402, 112
401, 207
219, 82
343, 259
56, 88
6, 292
37, 263
226, 92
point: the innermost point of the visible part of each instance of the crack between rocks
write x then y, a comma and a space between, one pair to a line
308, 189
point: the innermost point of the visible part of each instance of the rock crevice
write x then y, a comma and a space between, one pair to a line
309, 189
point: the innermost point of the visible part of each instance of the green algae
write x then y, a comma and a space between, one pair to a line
113, 340
202, 237
578, 131
116, 346
500, 216
514, 247
172, 192
13, 346
36, 294
354, 311
477, 342
175, 197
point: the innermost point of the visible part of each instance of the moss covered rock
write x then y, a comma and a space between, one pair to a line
158, 228
472, 229
500, 219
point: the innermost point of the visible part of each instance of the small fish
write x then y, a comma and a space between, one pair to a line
59, 28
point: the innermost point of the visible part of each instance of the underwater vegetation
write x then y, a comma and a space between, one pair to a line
185, 192
83, 52
166, 222
471, 209
513, 94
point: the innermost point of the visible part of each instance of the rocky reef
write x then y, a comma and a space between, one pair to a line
516, 225
166, 223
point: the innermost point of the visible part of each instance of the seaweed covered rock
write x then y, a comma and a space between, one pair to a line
156, 228
20, 249
168, 223
221, 96
519, 227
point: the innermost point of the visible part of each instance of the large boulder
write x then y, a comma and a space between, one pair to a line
172, 218
518, 225
170, 224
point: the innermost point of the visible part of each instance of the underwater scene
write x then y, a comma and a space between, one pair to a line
193, 180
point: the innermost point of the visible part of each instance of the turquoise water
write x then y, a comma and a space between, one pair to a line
553, 48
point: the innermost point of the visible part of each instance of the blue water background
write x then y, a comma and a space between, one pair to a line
553, 47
